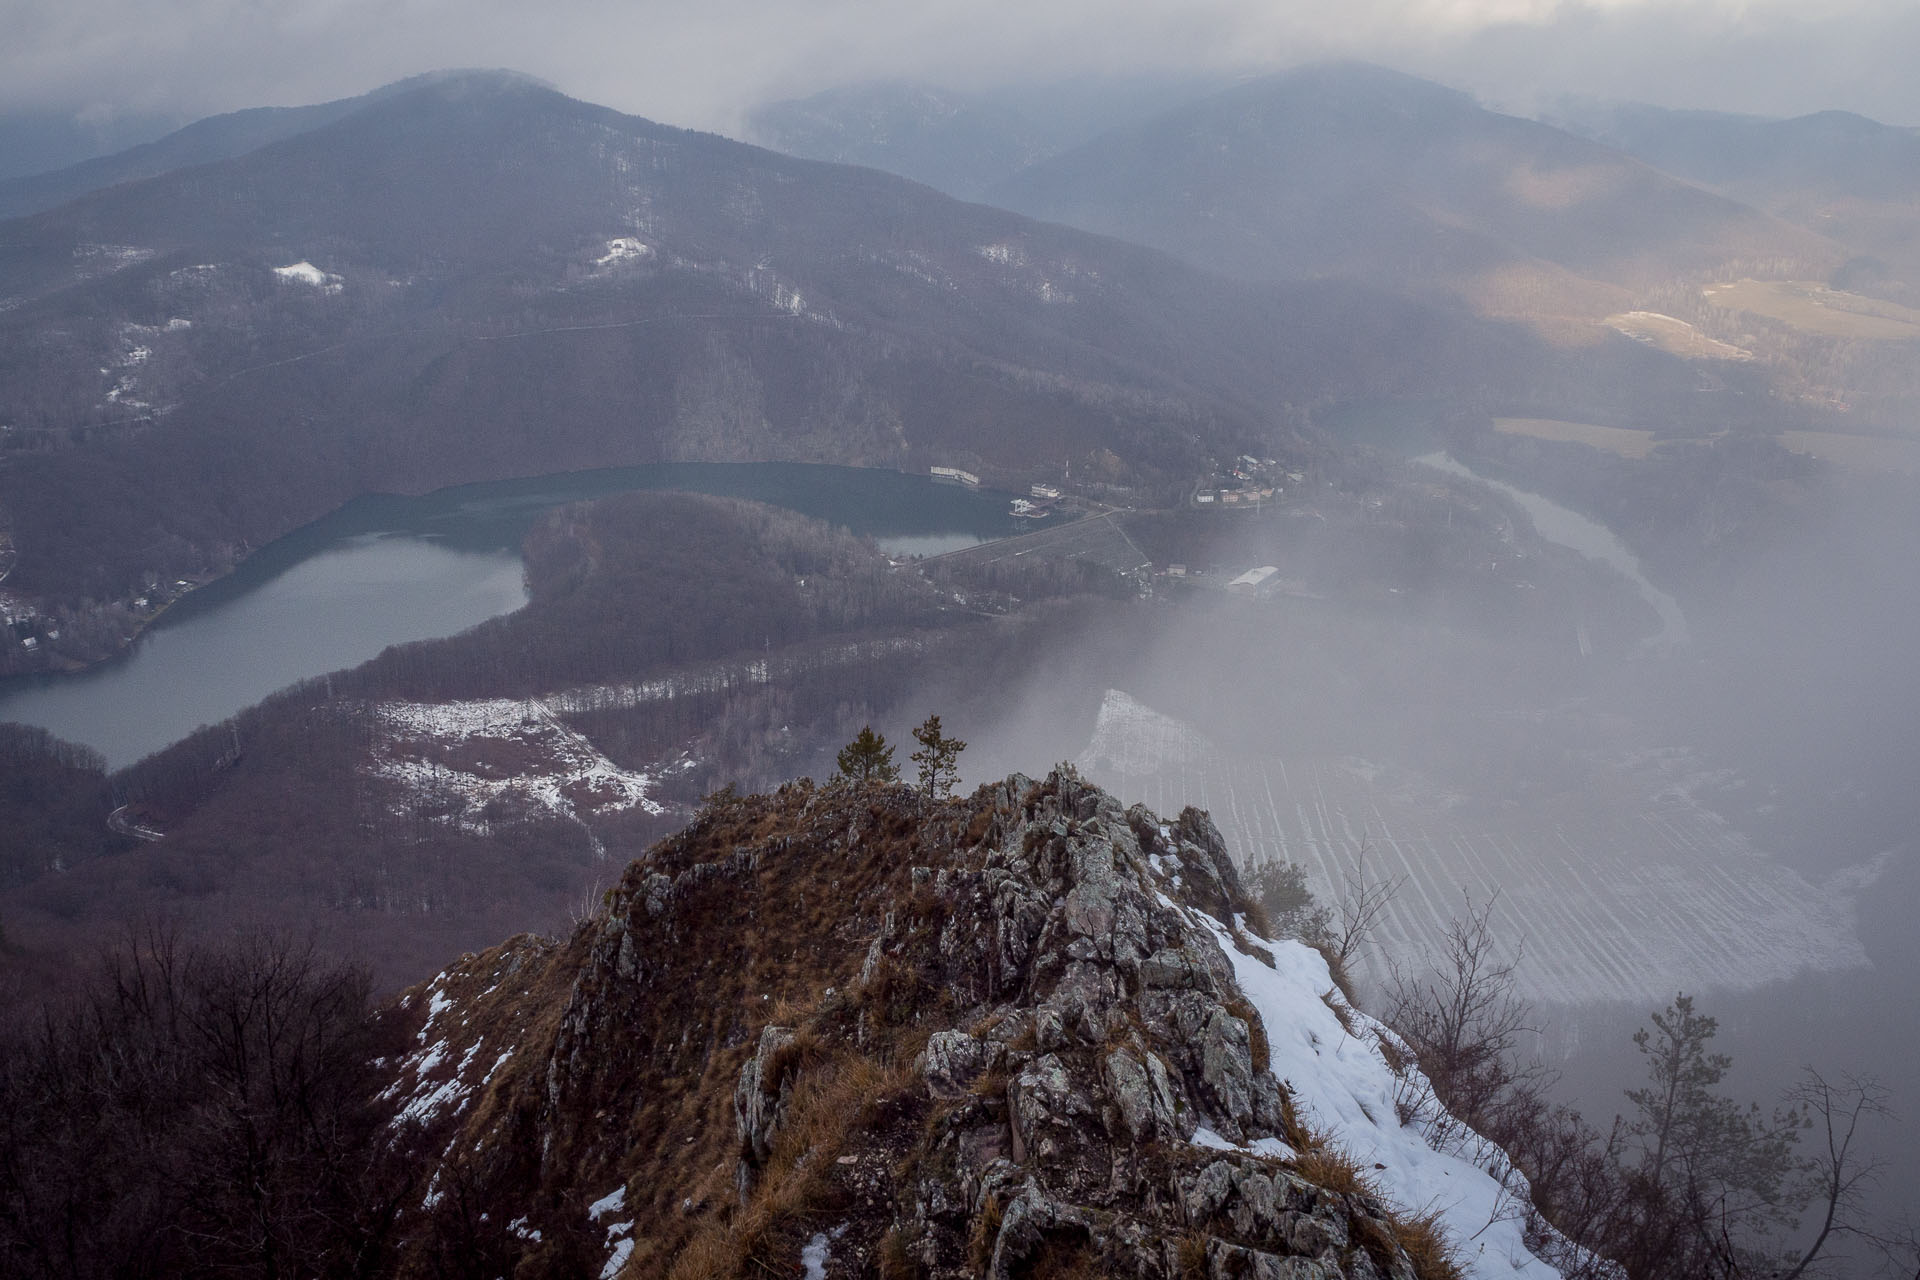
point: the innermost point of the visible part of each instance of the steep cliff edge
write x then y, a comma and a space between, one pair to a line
836, 1031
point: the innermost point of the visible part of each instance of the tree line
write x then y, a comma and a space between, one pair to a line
201, 1111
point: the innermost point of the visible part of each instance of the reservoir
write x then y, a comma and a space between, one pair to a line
386, 570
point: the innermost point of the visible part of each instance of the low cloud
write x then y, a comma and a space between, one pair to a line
705, 66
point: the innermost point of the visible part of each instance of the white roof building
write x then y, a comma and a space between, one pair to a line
1253, 579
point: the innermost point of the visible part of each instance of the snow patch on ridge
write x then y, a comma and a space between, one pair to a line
468, 756
623, 249
304, 272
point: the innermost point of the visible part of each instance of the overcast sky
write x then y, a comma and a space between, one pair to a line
703, 63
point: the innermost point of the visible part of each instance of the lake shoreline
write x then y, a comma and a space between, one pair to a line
376, 535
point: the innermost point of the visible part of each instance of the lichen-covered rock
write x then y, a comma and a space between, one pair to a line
759, 1100
954, 1061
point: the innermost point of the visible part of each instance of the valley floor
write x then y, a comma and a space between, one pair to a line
1601, 901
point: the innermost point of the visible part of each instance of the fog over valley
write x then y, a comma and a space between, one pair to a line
949, 642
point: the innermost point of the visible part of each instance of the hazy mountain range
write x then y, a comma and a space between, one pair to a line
1851, 179
475, 277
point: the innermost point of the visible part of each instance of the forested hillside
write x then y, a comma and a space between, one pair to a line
478, 277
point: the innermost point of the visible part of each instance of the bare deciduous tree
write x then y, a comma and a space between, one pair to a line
1464, 1020
1361, 905
1836, 1175
199, 1111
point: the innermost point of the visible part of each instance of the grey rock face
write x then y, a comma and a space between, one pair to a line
953, 1062
1104, 1008
1011, 1016
759, 1100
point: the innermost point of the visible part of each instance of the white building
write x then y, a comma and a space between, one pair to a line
1252, 580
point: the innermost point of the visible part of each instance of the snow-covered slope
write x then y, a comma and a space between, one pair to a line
1342, 1083
468, 759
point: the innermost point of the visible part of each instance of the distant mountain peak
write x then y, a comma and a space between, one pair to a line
455, 83
1350, 169
475, 77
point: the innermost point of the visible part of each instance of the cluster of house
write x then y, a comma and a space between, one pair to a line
27, 631
1247, 482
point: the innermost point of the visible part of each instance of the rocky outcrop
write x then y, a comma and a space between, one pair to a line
997, 1037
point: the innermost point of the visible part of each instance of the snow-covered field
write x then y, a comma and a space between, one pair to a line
469, 756
1634, 898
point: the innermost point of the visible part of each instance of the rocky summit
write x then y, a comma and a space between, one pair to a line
852, 1031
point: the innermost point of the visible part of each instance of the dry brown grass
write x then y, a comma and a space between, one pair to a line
986, 1230
1336, 968
829, 1105
1811, 307
1426, 1245
1193, 1255
792, 1010
982, 1028
710, 1255
1340, 1009
1335, 1170
1257, 1046
925, 905
1419, 1235
990, 1084
799, 1053
834, 1103
891, 995
1064, 1260
1292, 1128
891, 1259
1259, 923
1246, 946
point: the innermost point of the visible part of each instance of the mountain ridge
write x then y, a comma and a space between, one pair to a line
965, 1038
413, 293
1351, 169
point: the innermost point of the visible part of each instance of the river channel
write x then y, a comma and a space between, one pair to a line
1590, 538
385, 570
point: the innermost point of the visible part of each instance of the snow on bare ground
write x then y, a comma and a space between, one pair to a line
1328, 1055
1631, 897
94, 260
304, 272
470, 755
623, 249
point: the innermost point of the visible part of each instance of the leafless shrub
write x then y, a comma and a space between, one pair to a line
1362, 903
1464, 1022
